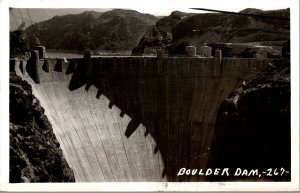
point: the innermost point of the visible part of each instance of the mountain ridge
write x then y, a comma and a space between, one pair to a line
112, 30
216, 27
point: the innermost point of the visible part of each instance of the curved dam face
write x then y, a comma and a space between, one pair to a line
134, 118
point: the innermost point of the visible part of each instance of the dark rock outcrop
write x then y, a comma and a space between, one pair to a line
161, 35
253, 126
35, 154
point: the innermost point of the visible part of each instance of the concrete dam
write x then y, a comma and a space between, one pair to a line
134, 119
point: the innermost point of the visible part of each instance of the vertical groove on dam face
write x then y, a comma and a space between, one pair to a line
135, 118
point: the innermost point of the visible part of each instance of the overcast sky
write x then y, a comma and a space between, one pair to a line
156, 7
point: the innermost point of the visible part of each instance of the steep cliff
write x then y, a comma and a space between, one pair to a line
161, 34
35, 154
253, 126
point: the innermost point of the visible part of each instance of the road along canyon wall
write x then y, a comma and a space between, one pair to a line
134, 118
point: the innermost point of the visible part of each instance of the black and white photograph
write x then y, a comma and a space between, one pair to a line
150, 96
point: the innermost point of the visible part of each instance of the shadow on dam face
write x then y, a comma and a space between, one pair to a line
136, 118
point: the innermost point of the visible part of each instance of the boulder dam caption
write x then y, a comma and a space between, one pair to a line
233, 172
